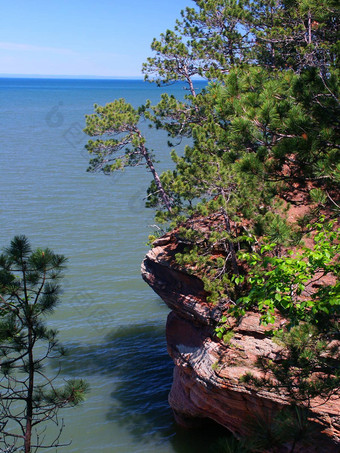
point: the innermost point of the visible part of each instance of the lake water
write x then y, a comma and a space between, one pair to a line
112, 323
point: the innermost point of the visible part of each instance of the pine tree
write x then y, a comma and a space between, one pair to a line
29, 398
264, 129
264, 135
127, 147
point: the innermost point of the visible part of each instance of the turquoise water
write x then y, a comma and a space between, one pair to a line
110, 320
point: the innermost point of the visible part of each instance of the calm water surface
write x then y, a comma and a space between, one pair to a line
110, 320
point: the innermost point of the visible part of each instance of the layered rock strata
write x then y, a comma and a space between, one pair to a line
207, 372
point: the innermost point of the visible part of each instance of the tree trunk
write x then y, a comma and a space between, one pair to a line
230, 243
191, 85
163, 194
29, 400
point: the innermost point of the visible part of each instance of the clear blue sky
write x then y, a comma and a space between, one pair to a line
82, 37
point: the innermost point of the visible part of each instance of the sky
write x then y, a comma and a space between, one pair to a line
103, 38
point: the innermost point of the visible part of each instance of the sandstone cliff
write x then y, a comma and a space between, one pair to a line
206, 382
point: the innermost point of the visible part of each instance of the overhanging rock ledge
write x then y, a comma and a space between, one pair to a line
206, 383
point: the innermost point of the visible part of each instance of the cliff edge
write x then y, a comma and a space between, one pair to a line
206, 383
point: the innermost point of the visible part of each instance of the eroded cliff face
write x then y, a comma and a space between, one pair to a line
207, 372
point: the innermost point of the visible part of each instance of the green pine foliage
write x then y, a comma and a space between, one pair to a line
264, 140
29, 397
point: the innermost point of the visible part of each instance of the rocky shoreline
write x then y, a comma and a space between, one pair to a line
206, 383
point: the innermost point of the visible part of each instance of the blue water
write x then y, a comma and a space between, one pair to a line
110, 320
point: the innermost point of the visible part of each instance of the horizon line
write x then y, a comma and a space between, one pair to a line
66, 76
76, 77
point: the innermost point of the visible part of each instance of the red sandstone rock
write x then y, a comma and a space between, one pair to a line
207, 372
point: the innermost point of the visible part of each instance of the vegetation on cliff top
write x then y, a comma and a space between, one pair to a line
264, 154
